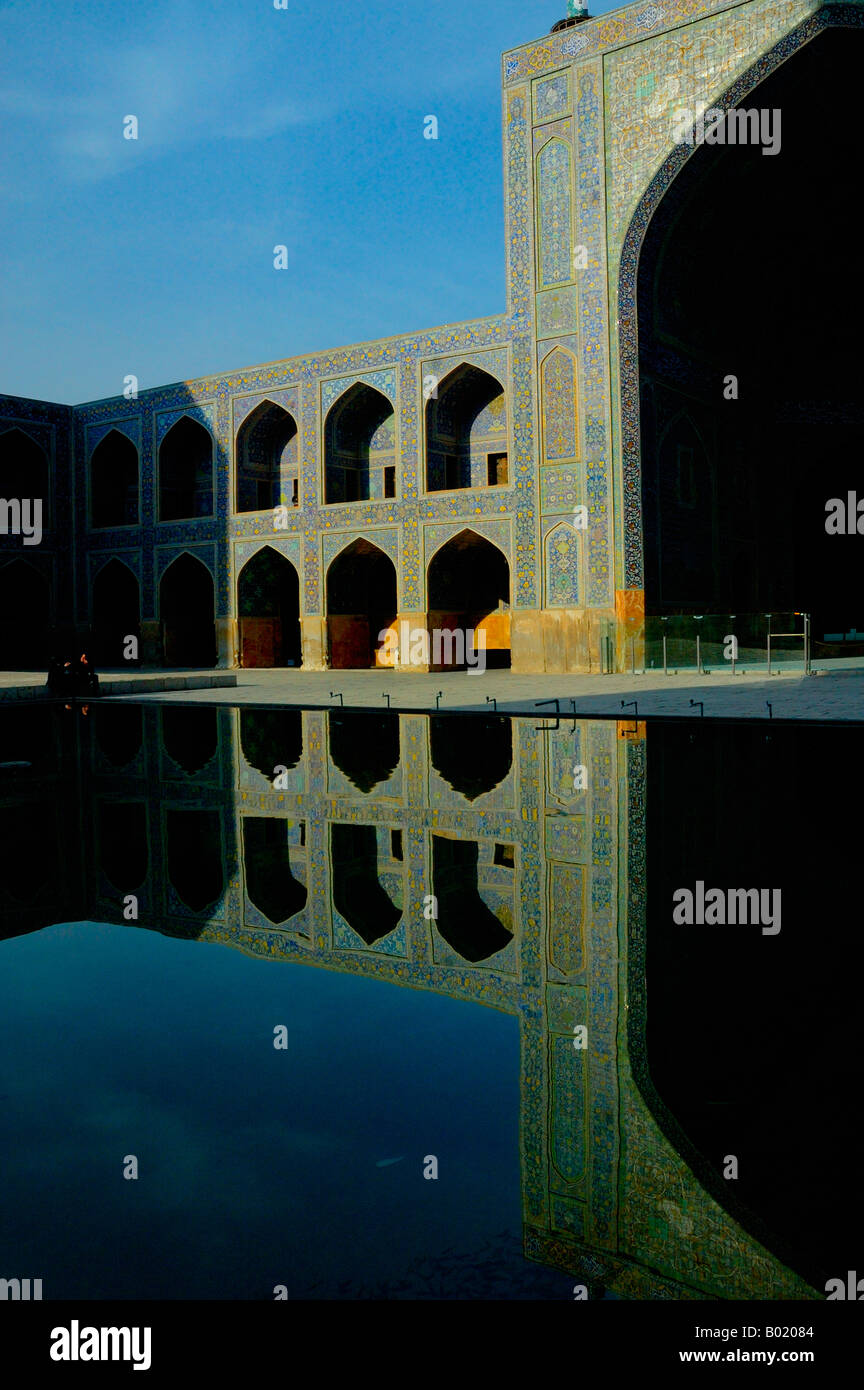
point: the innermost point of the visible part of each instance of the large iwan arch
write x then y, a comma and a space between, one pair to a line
744, 418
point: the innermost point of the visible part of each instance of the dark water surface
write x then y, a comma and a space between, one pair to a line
433, 908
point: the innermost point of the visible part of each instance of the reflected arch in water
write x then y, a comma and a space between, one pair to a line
365, 747
270, 882
190, 735
473, 753
123, 850
358, 896
194, 854
119, 731
465, 921
271, 738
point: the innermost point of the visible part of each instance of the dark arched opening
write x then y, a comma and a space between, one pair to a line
358, 896
24, 473
466, 432
726, 991
194, 854
360, 447
271, 739
123, 843
114, 482
464, 920
469, 593
361, 604
267, 475
25, 612
116, 609
364, 746
748, 312
119, 732
472, 753
268, 606
270, 882
190, 736
186, 610
186, 472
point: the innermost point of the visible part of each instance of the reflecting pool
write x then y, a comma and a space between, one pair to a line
324, 1004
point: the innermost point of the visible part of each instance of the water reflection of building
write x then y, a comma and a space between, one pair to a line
540, 900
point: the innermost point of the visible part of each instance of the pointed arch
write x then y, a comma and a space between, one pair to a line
186, 471
358, 894
187, 613
472, 753
562, 555
468, 586
465, 920
194, 856
123, 848
267, 460
558, 394
361, 604
271, 885
359, 446
25, 617
114, 481
24, 472
466, 431
268, 609
116, 610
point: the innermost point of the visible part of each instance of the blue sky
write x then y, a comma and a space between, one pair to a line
257, 127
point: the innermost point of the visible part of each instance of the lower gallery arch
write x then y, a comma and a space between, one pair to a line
193, 852
469, 592
748, 311
268, 608
116, 613
361, 604
464, 920
186, 613
271, 884
358, 894
25, 614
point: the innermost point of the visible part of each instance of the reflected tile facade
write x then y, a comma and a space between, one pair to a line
605, 1195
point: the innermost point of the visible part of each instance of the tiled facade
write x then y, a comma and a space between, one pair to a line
588, 152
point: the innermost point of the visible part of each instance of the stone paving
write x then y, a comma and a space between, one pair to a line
30, 685
838, 696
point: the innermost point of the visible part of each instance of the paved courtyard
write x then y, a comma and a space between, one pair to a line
838, 696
